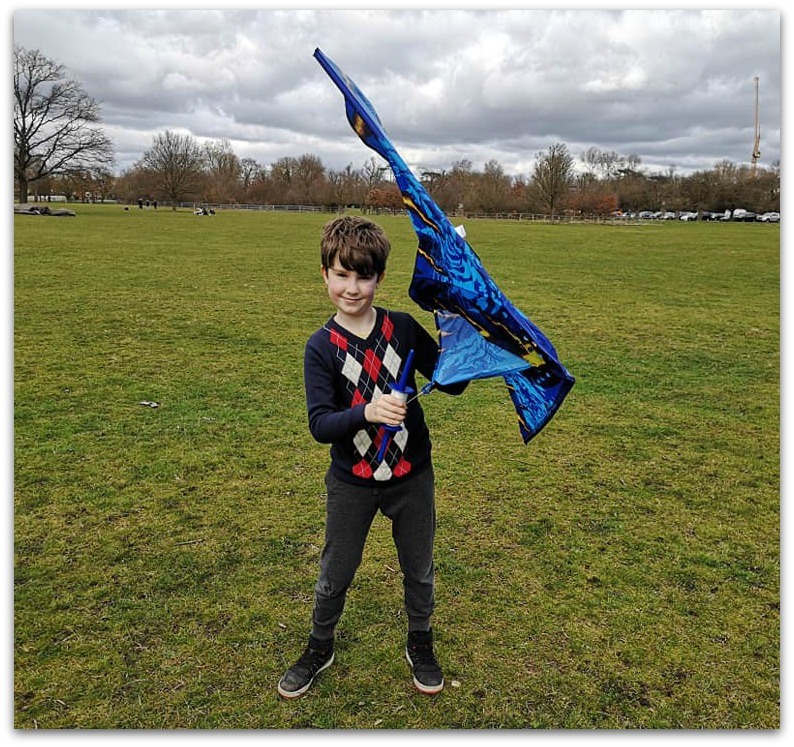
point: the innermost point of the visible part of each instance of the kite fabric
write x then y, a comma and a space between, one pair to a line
481, 333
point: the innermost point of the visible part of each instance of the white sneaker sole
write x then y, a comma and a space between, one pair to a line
289, 694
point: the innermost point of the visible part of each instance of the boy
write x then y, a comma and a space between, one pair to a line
349, 364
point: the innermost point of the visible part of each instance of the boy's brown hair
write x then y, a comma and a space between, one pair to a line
359, 244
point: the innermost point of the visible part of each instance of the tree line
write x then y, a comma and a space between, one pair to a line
59, 148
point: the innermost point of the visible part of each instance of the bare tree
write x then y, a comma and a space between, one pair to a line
606, 164
249, 170
175, 162
280, 180
55, 123
308, 179
455, 192
590, 158
223, 169
345, 187
373, 172
494, 187
552, 175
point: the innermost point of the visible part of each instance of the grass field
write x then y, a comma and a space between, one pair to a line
620, 571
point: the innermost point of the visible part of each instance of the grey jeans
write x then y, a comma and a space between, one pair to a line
350, 510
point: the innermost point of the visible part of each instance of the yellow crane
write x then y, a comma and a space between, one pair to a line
757, 138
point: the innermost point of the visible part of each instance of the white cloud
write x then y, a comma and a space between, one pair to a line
669, 86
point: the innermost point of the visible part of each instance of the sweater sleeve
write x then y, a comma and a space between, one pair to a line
329, 419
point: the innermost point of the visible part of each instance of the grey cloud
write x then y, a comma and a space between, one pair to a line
669, 86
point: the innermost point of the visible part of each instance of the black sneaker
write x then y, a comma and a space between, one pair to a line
318, 655
419, 652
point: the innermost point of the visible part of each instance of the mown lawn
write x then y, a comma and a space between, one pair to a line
620, 571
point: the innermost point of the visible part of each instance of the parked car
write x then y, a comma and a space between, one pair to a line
743, 216
688, 215
771, 217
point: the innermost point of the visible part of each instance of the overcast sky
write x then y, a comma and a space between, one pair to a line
674, 87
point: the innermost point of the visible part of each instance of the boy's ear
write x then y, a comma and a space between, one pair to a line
324, 273
380, 278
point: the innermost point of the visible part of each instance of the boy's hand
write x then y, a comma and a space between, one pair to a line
386, 410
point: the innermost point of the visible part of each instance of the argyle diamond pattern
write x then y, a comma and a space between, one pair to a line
369, 370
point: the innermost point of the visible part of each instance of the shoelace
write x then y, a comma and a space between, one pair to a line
312, 659
422, 656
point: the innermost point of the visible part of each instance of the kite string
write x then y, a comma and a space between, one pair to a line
424, 390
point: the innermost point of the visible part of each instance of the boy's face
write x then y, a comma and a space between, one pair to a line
351, 293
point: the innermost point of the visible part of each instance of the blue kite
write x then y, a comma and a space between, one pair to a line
481, 333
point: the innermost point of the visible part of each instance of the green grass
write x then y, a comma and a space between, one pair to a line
620, 571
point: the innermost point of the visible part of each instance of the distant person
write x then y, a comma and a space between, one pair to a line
348, 363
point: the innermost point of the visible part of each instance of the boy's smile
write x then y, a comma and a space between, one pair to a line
351, 293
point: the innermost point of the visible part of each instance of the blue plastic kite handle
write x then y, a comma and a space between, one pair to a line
403, 383
401, 387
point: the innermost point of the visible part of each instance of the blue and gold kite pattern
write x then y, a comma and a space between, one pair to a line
481, 333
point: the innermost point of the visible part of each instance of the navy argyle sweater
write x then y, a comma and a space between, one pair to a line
343, 372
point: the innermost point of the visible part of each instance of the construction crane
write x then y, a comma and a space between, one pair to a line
757, 138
